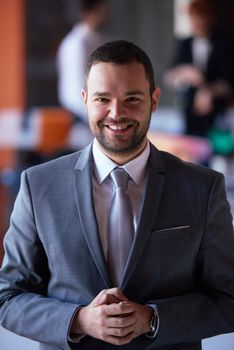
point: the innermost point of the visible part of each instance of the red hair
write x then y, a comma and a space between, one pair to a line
201, 8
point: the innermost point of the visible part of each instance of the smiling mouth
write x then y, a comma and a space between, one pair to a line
119, 127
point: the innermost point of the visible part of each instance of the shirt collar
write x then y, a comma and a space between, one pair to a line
136, 168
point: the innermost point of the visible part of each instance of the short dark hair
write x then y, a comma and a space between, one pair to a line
122, 52
88, 5
203, 8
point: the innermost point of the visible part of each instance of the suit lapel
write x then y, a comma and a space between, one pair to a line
154, 188
85, 206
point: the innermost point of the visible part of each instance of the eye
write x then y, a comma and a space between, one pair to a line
133, 99
101, 99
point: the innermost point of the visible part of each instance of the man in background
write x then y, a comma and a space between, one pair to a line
72, 56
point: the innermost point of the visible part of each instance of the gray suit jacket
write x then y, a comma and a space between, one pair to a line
182, 258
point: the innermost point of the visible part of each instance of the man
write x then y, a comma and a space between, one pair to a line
60, 283
72, 56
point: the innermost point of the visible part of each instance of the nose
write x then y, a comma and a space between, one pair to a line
117, 110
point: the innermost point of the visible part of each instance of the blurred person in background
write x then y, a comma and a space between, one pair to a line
202, 70
72, 56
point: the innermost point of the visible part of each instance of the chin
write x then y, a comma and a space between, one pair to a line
120, 148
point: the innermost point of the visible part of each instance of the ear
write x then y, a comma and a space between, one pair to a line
84, 96
155, 99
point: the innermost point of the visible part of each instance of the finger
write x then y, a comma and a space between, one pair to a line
121, 322
96, 300
119, 340
115, 292
122, 308
107, 299
121, 332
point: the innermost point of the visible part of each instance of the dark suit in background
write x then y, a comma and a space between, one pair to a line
219, 68
182, 258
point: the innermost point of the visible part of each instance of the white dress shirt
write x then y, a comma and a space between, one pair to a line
103, 187
72, 57
201, 48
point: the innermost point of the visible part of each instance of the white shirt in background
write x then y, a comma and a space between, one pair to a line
72, 56
201, 48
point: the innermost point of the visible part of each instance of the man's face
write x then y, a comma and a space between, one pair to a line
97, 17
201, 25
119, 107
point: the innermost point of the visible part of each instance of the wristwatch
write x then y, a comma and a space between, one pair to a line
153, 323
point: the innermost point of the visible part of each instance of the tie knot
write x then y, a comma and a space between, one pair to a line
120, 177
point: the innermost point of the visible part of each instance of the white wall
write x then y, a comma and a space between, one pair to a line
221, 342
10, 341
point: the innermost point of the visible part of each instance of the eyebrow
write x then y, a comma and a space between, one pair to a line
97, 93
129, 93
134, 92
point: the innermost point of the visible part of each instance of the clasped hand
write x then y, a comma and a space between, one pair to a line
111, 317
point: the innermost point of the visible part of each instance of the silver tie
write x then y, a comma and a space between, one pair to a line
121, 228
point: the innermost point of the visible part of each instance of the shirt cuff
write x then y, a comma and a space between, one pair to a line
74, 338
153, 335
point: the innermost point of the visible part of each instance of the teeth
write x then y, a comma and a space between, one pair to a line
118, 127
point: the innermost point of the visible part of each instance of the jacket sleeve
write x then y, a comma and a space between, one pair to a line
208, 311
25, 308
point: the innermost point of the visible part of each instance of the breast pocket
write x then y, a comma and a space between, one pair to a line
182, 231
169, 258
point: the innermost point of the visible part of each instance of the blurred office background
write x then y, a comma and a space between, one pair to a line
34, 127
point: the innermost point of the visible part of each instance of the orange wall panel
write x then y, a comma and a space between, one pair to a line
12, 58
